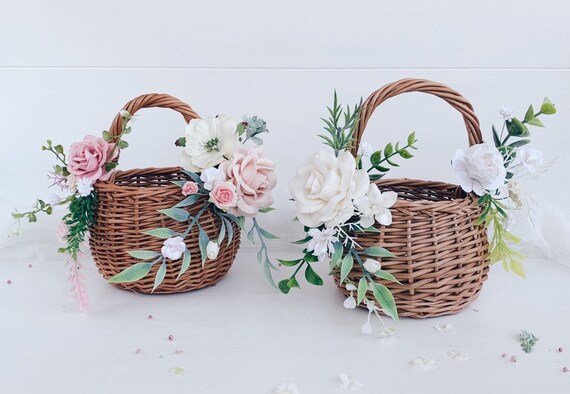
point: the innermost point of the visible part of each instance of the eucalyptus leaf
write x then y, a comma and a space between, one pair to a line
266, 210
529, 114
386, 276
312, 276
337, 254
190, 200
346, 267
536, 122
160, 274
186, 260
290, 263
177, 214
203, 243
515, 127
496, 138
518, 143
143, 254
385, 299
378, 251
195, 177
376, 157
162, 233
547, 107
267, 235
412, 138
302, 241
362, 288
388, 150
133, 273
405, 154
123, 144
283, 286
293, 283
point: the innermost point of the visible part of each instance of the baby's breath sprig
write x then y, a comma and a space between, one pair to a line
341, 137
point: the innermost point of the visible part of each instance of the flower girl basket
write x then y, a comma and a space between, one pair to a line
128, 205
441, 253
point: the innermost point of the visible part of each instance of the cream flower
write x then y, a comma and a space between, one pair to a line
209, 142
173, 248
529, 158
322, 242
374, 205
212, 250
480, 168
323, 189
372, 266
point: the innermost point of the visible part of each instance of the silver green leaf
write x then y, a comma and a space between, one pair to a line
161, 273
133, 273
362, 288
185, 262
385, 299
177, 214
162, 233
346, 267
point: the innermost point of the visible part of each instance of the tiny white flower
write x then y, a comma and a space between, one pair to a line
350, 287
457, 355
506, 112
445, 328
374, 205
173, 248
53, 199
84, 186
212, 250
287, 388
529, 158
348, 383
71, 183
321, 243
350, 302
516, 194
367, 327
424, 362
372, 266
124, 113
365, 149
210, 176
387, 332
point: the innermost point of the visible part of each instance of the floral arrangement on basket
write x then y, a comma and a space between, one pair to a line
221, 177
347, 208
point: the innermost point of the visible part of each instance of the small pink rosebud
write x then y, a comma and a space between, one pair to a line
560, 349
138, 351
504, 355
513, 358
29, 266
565, 369
190, 188
178, 352
149, 317
171, 337
9, 282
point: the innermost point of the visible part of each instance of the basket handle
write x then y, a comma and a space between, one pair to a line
444, 92
148, 101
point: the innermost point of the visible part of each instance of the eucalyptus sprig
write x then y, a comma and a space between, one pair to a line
381, 159
528, 341
341, 136
250, 128
58, 151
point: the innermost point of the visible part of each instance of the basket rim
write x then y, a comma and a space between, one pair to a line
118, 174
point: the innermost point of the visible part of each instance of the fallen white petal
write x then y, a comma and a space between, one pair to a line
457, 355
387, 332
424, 362
287, 388
348, 383
445, 328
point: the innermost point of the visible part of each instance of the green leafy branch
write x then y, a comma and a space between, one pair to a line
81, 216
341, 136
262, 254
120, 143
528, 341
58, 151
380, 159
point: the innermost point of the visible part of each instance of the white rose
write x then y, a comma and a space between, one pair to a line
480, 168
173, 248
210, 176
323, 189
529, 158
209, 142
372, 266
516, 194
212, 250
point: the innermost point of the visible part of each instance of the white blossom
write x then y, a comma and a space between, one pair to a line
210, 176
365, 149
529, 158
445, 328
506, 112
350, 302
84, 186
424, 362
212, 250
480, 168
321, 243
348, 383
516, 194
124, 113
173, 248
372, 266
287, 388
457, 355
375, 206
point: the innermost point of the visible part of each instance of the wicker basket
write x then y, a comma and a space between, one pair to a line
441, 254
128, 204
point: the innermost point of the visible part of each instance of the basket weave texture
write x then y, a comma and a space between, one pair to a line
440, 253
128, 204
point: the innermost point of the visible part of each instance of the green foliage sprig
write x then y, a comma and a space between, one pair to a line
80, 218
381, 159
341, 136
528, 341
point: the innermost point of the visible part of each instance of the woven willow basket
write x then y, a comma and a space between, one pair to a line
128, 204
441, 254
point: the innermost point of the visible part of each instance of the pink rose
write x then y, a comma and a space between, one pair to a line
87, 158
254, 177
190, 188
224, 195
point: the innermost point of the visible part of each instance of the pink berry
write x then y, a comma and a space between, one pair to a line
138, 351
29, 266
9, 282
171, 337
560, 349
504, 355
149, 317
514, 359
565, 369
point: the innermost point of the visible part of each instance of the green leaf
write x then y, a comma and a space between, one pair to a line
123, 144
310, 257
518, 143
346, 267
267, 235
293, 283
143, 254
179, 183
160, 274
302, 241
517, 268
381, 168
177, 214
374, 177
188, 201
515, 127
229, 228
133, 273
290, 263
107, 136
162, 233
283, 286
222, 234
185, 262
529, 114
111, 166
387, 276
412, 138
195, 177
377, 251
370, 229
362, 288
547, 107
385, 299
265, 210
536, 122
337, 254
405, 154
312, 276
241, 222
496, 138
376, 157
203, 243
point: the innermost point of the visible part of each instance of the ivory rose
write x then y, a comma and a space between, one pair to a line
87, 158
223, 195
480, 168
253, 175
324, 188
173, 248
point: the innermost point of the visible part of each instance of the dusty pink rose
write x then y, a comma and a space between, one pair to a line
62, 231
87, 158
224, 195
190, 188
254, 177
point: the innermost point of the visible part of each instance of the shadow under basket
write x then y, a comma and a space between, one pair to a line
440, 253
128, 204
